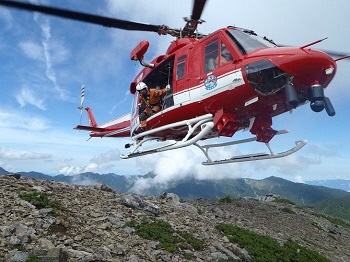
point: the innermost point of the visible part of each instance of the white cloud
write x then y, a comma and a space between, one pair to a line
44, 25
324, 150
11, 154
84, 181
68, 170
17, 119
32, 50
59, 53
109, 156
298, 179
98, 163
183, 163
27, 96
289, 166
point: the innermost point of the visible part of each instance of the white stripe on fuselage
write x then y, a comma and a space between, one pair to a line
116, 121
225, 82
118, 131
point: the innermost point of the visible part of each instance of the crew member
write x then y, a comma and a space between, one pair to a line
150, 102
225, 56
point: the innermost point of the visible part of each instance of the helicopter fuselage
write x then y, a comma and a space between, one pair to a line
246, 91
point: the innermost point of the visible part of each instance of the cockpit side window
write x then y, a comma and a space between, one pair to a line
216, 55
225, 55
211, 54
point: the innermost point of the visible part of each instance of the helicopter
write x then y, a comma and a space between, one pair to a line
228, 81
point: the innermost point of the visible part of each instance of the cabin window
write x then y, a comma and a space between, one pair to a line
180, 69
211, 54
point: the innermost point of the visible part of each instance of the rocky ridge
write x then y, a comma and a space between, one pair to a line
90, 225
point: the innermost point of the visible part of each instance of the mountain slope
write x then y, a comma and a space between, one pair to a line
88, 223
301, 194
190, 188
117, 182
3, 171
338, 207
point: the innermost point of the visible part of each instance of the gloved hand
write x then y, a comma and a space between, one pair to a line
167, 88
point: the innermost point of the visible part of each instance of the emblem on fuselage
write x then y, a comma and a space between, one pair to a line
211, 82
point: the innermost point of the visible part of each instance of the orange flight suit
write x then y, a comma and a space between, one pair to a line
152, 104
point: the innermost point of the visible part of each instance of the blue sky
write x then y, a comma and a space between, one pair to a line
45, 60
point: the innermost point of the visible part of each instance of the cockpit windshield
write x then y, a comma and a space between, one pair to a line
247, 41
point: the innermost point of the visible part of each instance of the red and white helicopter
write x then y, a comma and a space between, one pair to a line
221, 83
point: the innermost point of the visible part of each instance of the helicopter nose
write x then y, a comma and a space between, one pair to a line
302, 73
307, 66
312, 71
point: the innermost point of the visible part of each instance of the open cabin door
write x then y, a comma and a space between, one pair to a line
158, 78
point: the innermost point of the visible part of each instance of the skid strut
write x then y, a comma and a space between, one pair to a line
204, 123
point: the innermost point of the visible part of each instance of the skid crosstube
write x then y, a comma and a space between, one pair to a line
204, 123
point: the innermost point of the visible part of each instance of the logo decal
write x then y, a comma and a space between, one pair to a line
211, 82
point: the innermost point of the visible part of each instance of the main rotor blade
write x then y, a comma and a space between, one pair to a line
331, 53
198, 8
84, 17
334, 54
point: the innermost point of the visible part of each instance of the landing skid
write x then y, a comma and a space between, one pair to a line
249, 157
204, 123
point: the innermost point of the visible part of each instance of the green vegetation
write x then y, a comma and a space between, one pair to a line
40, 200
17, 247
334, 220
188, 256
264, 248
199, 210
337, 207
226, 199
287, 210
159, 230
283, 201
319, 226
32, 258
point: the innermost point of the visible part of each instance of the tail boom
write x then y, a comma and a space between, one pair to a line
118, 127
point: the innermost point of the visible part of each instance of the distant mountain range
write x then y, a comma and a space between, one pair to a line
3, 171
319, 196
334, 183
